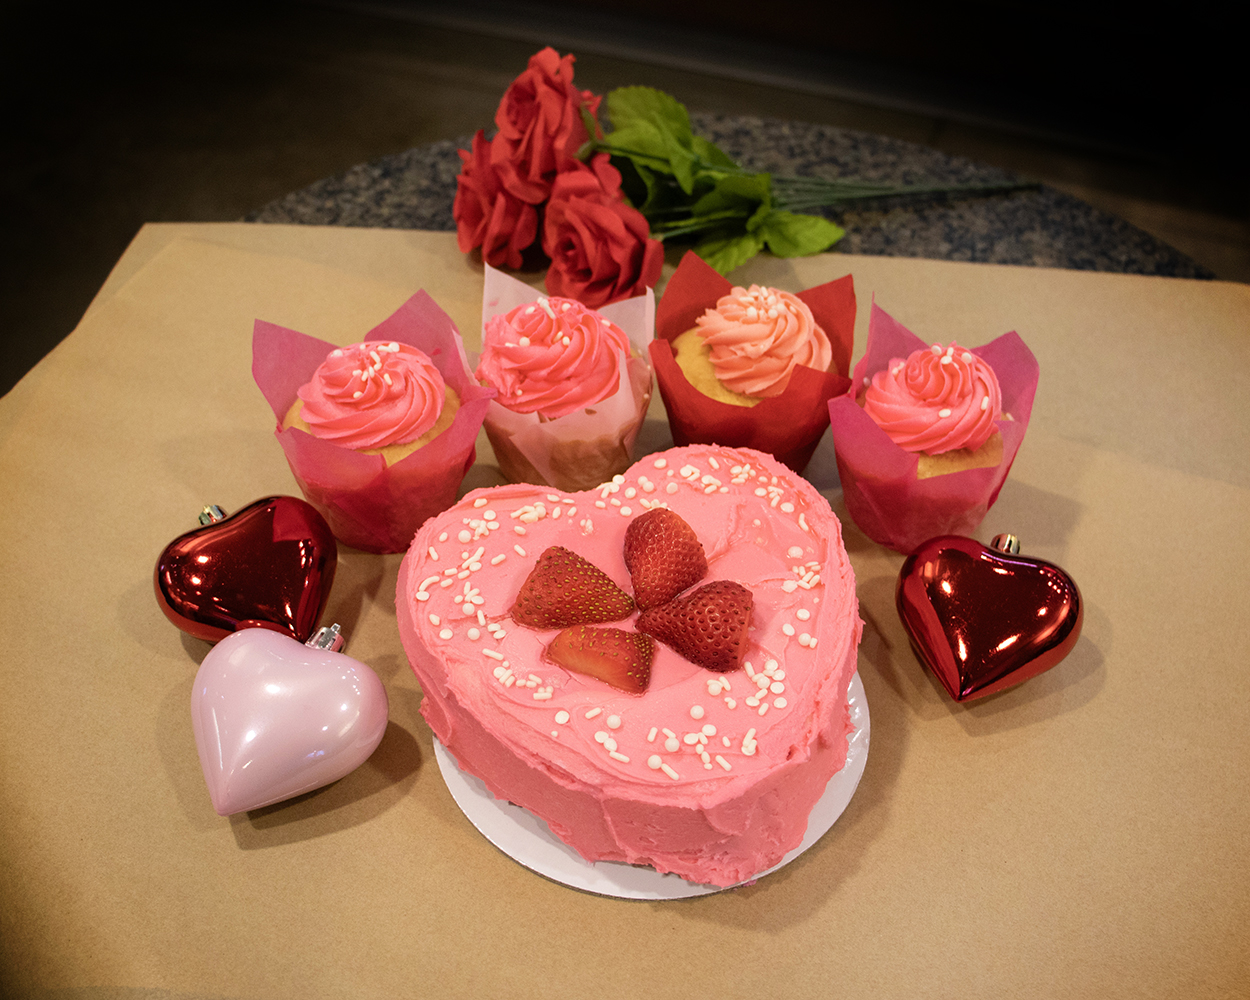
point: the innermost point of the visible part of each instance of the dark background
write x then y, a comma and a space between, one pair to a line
116, 117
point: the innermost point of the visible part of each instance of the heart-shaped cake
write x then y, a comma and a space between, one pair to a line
274, 718
269, 564
694, 736
983, 620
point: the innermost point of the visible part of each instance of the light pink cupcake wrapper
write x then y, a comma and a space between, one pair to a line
367, 504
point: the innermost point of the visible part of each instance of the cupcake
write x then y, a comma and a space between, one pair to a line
573, 384
925, 443
751, 367
378, 434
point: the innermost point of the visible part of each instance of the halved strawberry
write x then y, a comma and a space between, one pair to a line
708, 626
564, 589
621, 658
663, 555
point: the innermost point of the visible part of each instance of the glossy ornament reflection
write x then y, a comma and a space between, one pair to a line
274, 718
268, 565
984, 619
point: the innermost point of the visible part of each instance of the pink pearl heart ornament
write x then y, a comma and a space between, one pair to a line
274, 718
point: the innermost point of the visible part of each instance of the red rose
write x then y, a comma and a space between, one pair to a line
599, 246
488, 215
540, 126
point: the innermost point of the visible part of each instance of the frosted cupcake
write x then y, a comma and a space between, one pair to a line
751, 367
572, 383
378, 434
926, 444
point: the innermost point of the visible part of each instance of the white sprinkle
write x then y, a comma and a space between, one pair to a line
609, 744
966, 357
625, 512
422, 595
445, 634
493, 654
690, 739
779, 703
802, 614
795, 552
731, 703
630, 493
474, 634
660, 463
480, 502
672, 745
654, 762
763, 709
944, 412
803, 522
651, 735
723, 763
985, 402
787, 628
434, 619
525, 341
519, 529
789, 586
669, 771
519, 551
594, 712
357, 394
465, 536
787, 507
709, 730
711, 460
433, 555
496, 560
614, 722
671, 488
562, 717
776, 687
946, 359
442, 536
696, 711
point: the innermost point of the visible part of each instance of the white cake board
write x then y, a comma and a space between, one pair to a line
529, 841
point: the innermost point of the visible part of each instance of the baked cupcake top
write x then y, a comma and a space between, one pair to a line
936, 400
373, 394
552, 357
756, 337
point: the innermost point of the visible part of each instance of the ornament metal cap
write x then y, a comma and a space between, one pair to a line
1006, 543
327, 637
212, 514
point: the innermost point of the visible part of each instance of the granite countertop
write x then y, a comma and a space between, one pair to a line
1041, 227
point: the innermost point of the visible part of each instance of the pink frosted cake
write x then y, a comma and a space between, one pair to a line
518, 611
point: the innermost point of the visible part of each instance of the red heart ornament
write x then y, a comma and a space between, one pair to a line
985, 619
269, 565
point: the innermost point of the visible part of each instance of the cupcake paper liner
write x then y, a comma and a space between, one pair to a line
879, 479
787, 426
367, 504
582, 449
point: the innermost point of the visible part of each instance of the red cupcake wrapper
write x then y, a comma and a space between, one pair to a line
787, 426
367, 504
883, 496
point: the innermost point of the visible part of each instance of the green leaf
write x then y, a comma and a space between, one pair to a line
725, 252
740, 192
632, 106
789, 234
711, 154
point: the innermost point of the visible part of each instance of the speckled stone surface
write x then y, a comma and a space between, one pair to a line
1043, 228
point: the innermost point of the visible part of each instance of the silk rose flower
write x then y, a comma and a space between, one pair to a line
599, 246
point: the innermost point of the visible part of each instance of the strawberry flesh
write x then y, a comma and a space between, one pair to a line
622, 659
708, 626
663, 555
564, 589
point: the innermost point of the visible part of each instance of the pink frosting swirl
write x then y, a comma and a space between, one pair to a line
758, 335
552, 357
372, 395
936, 401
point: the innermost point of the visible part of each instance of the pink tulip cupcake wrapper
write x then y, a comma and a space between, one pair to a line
367, 504
787, 426
879, 479
617, 418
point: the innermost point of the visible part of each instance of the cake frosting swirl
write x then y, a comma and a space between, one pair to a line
936, 400
758, 335
552, 357
373, 394
709, 775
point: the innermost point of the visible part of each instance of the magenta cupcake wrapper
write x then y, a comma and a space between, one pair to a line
883, 496
367, 504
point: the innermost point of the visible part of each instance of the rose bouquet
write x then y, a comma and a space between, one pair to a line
599, 204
